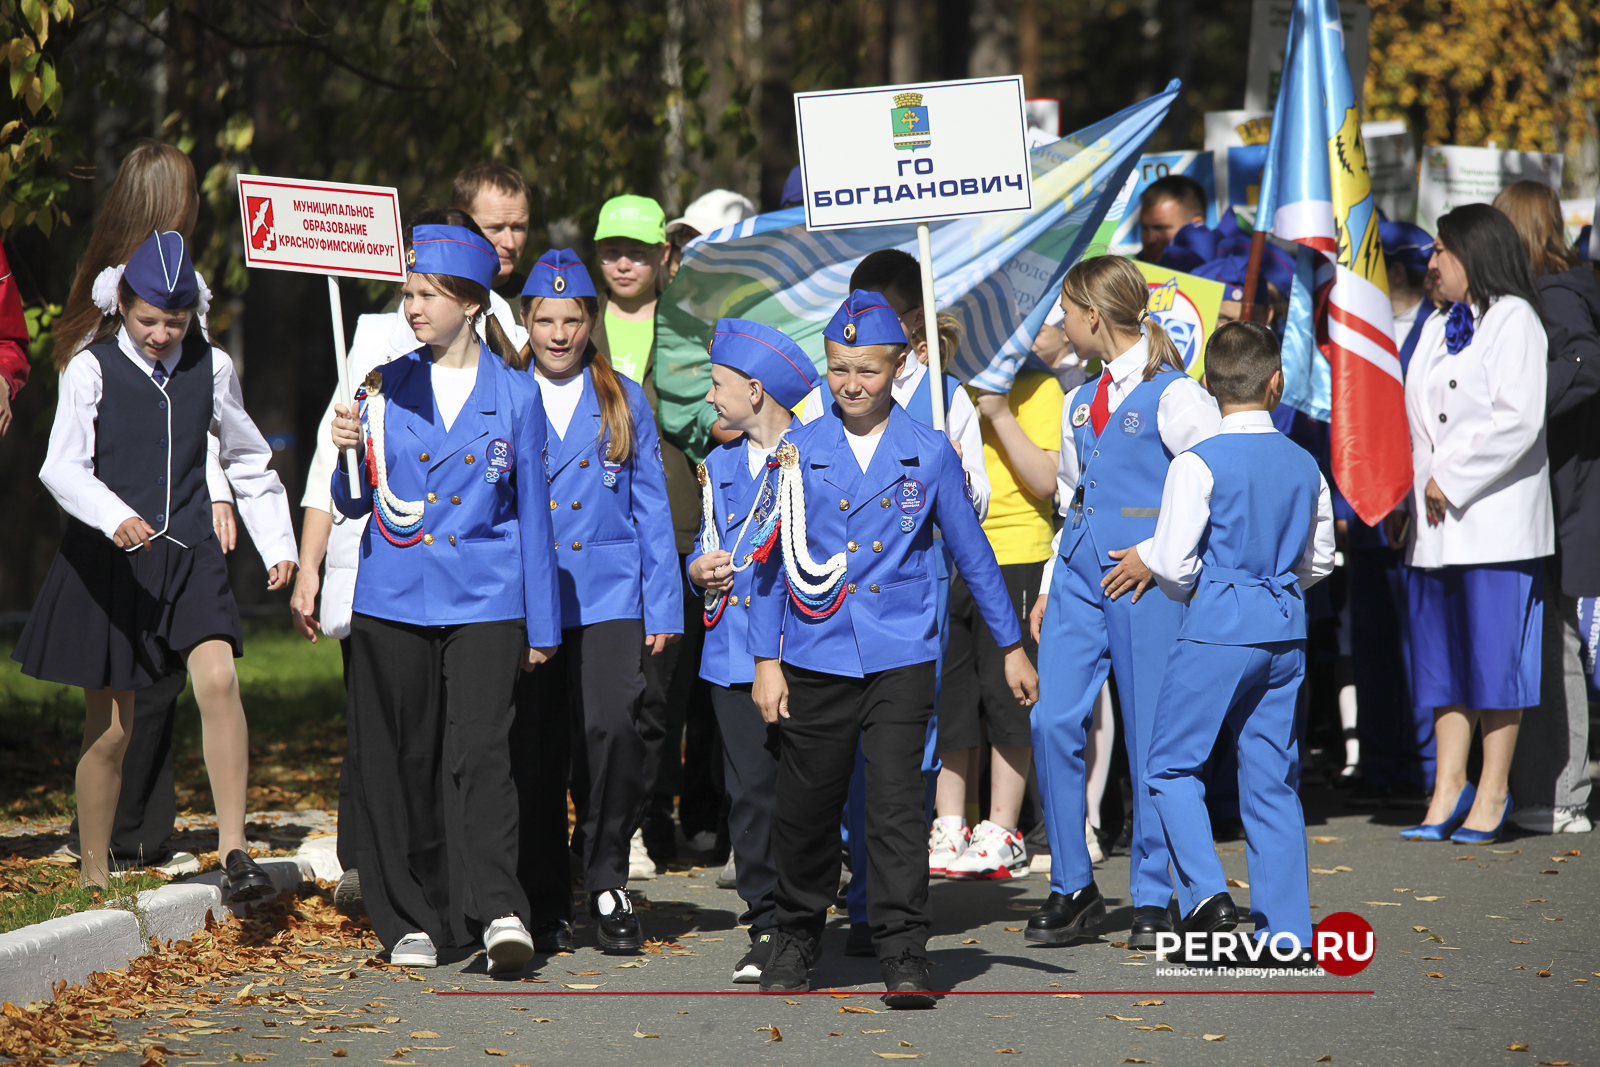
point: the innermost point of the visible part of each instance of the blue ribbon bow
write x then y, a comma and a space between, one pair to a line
1458, 328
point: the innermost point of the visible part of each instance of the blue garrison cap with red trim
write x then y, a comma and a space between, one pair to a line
162, 273
865, 318
758, 351
559, 273
452, 250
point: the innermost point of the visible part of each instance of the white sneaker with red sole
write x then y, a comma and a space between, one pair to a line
947, 839
994, 852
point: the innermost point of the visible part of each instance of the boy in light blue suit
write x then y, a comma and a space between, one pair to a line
1246, 525
862, 487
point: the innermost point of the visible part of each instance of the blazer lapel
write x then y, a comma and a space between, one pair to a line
471, 423
414, 397
843, 472
581, 431
896, 458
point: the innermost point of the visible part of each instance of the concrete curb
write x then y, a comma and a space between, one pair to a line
34, 958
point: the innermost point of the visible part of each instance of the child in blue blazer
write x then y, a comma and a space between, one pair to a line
1246, 526
862, 488
757, 376
455, 592
620, 593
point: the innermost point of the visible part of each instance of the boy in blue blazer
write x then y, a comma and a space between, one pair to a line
845, 649
758, 376
1246, 525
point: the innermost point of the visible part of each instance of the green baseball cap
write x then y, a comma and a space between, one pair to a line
638, 217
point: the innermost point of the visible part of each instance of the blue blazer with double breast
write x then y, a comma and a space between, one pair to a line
883, 520
615, 546
485, 551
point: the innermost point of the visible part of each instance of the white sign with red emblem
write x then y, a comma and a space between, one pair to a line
322, 227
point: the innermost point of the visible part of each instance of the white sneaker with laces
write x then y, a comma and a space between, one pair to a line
641, 868
994, 852
1544, 819
181, 863
946, 839
414, 950
508, 945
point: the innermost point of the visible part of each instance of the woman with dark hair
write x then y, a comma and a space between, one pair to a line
1550, 775
1475, 400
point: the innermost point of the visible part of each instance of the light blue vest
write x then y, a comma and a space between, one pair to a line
920, 406
1123, 471
1262, 507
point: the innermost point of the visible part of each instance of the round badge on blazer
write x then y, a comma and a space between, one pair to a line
911, 495
1080, 415
849, 332
499, 457
907, 525
559, 284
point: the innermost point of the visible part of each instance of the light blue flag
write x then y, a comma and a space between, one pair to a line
998, 274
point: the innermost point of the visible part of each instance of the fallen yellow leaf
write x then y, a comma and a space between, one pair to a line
1517, 1047
1079, 996
1126, 1018
424, 1035
1152, 1002
1326, 840
1426, 898
1212, 1037
1384, 903
896, 1055
856, 1009
495, 1051
1433, 974
1238, 883
1013, 929
638, 1033
970, 941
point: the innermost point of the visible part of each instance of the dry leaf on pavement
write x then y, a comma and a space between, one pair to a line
1212, 1037
1152, 1002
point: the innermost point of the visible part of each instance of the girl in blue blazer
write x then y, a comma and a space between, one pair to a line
455, 592
620, 593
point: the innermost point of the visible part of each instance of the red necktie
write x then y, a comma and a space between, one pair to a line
1100, 409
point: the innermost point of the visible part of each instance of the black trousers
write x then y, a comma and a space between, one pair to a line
350, 822
888, 712
750, 752
147, 807
588, 694
430, 714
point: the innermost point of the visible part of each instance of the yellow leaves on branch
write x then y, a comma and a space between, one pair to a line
1518, 72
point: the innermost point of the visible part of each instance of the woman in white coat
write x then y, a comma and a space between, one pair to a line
1475, 400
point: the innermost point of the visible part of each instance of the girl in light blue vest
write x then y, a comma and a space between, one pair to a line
1118, 436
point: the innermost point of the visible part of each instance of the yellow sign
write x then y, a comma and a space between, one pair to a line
1186, 307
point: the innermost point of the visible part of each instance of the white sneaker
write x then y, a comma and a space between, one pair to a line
1090, 838
947, 838
508, 944
181, 863
414, 950
994, 852
641, 868
1544, 819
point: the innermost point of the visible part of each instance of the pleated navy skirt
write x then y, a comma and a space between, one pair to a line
109, 619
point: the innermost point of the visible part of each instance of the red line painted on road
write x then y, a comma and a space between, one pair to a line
947, 993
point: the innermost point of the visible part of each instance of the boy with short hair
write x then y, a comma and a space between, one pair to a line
1246, 525
862, 487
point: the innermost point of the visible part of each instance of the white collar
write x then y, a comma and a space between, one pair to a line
1130, 362
1246, 422
915, 369
147, 364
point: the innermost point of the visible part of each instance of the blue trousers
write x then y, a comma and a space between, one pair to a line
1085, 635
1252, 690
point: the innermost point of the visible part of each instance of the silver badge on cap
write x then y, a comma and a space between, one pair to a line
559, 285
849, 332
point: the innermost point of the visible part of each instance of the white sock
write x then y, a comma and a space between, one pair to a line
954, 823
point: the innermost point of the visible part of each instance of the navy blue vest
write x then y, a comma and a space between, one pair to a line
150, 443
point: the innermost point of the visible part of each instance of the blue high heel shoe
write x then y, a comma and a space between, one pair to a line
1441, 831
1463, 836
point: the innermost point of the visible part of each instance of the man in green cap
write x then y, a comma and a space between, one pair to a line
631, 242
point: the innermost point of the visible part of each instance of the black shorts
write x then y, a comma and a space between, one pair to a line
973, 684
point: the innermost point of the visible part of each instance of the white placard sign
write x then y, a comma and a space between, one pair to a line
913, 153
1269, 33
322, 227
1453, 175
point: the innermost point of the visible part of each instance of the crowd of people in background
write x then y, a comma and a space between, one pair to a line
491, 684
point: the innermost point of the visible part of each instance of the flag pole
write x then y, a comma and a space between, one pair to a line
1252, 272
337, 309
930, 327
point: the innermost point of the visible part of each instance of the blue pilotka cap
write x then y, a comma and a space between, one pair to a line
865, 318
162, 273
793, 188
452, 250
1276, 267
1407, 244
759, 351
559, 273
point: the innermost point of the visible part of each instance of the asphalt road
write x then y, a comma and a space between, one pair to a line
1511, 941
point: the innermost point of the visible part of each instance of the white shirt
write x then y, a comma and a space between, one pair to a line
1405, 320
1185, 416
961, 425
451, 388
757, 457
1174, 555
864, 446
1477, 428
68, 470
561, 398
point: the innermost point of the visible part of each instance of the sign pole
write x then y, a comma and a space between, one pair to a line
335, 306
930, 320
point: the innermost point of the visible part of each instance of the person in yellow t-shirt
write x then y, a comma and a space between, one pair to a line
1021, 431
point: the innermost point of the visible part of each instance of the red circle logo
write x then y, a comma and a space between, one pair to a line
1344, 943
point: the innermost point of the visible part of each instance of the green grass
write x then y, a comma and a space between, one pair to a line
293, 696
33, 894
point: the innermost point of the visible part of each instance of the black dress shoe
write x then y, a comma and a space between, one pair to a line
1215, 914
859, 943
243, 880
618, 932
1147, 923
788, 969
1065, 918
905, 977
554, 936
